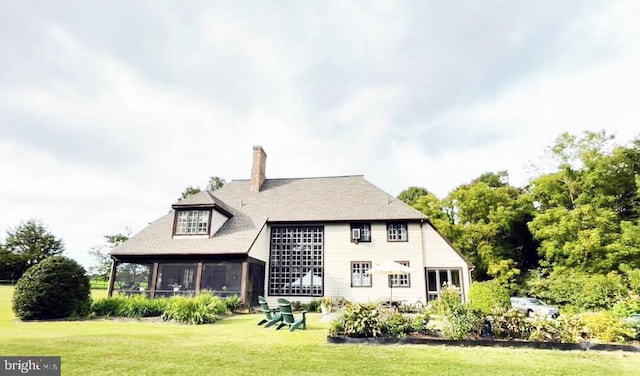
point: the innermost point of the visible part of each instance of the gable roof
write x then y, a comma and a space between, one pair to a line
323, 199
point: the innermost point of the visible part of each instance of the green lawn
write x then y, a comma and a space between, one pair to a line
237, 346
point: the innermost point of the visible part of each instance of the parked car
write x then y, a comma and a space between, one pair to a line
533, 306
634, 320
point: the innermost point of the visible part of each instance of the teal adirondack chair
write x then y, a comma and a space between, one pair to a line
287, 316
272, 316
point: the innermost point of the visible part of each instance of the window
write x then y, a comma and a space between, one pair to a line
225, 278
296, 260
397, 232
192, 222
400, 280
436, 278
175, 277
359, 276
363, 230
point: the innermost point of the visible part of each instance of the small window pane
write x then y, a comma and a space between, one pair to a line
432, 280
455, 278
444, 277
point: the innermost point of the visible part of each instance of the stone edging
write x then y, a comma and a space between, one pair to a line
584, 346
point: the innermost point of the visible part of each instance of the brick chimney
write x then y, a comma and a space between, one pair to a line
258, 175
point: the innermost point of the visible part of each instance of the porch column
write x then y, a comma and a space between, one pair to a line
198, 277
244, 284
112, 276
154, 278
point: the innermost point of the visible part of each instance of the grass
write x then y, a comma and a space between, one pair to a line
237, 346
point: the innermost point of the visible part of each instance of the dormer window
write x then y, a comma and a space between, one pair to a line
192, 222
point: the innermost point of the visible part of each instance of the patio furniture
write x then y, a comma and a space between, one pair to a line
288, 318
272, 316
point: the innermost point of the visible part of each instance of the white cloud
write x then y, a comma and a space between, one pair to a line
108, 111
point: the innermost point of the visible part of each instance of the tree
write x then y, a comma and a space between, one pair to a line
411, 195
54, 288
189, 191
29, 244
486, 220
587, 210
215, 182
101, 265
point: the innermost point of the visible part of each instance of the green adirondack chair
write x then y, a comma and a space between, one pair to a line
272, 316
288, 318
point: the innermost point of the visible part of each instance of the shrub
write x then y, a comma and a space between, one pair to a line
203, 309
56, 287
312, 306
420, 322
109, 306
628, 306
581, 291
141, 306
359, 320
512, 324
232, 302
449, 299
566, 329
489, 297
607, 327
462, 323
133, 306
396, 325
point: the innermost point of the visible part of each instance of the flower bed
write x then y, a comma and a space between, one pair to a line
584, 346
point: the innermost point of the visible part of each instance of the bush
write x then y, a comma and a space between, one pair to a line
512, 324
628, 306
232, 302
489, 297
57, 287
108, 306
449, 299
420, 322
133, 306
462, 323
359, 320
396, 325
203, 309
607, 327
579, 291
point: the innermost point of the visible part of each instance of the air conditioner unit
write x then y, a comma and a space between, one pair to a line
355, 234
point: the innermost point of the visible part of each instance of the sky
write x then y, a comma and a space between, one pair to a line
108, 110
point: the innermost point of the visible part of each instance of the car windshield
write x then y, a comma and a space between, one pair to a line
536, 301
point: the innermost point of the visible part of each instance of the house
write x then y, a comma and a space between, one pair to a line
297, 238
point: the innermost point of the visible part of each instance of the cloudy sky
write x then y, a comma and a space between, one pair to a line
108, 110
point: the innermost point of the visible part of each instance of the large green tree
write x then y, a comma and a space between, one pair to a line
587, 210
26, 245
486, 220
411, 195
101, 260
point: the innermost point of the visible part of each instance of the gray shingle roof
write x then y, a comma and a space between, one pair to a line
325, 199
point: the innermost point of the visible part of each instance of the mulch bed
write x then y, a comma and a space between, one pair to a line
487, 342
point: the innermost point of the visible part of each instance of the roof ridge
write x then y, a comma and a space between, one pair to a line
310, 177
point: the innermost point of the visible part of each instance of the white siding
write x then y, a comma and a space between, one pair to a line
440, 254
260, 248
217, 220
424, 248
340, 252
